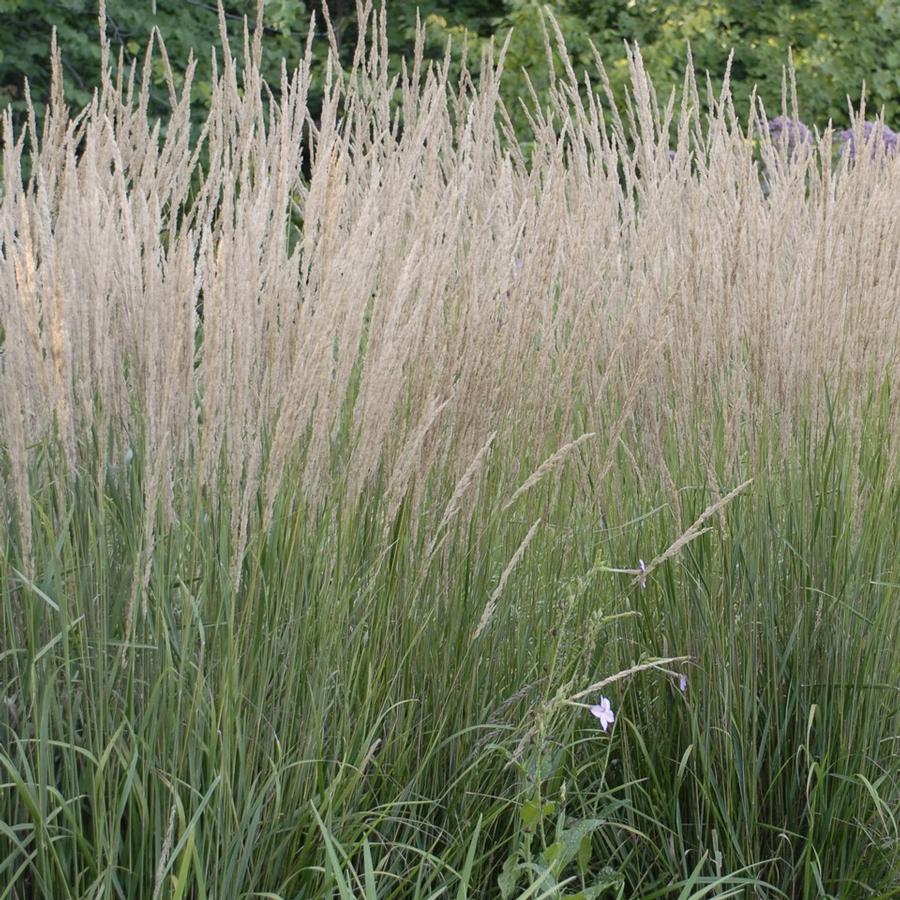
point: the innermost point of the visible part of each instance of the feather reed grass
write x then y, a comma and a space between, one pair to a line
278, 400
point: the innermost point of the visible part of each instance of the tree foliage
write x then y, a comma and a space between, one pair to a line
836, 45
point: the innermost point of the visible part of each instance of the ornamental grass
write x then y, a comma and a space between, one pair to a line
394, 508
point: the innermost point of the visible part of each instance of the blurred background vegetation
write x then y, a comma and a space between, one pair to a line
836, 45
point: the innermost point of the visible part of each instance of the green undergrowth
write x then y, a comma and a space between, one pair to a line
331, 725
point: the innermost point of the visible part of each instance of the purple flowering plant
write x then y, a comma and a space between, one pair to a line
874, 133
788, 132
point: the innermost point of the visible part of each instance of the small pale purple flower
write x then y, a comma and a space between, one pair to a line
682, 683
603, 712
889, 139
643, 570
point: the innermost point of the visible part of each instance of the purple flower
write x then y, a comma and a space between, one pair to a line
882, 134
603, 712
791, 131
643, 570
682, 683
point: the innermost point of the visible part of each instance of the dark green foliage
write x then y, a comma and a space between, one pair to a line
185, 25
836, 45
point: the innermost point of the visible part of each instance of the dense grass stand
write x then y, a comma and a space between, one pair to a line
511, 525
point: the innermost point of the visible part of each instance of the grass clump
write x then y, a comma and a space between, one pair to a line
333, 504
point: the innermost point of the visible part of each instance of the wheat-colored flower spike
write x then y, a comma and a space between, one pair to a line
550, 464
495, 595
695, 530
